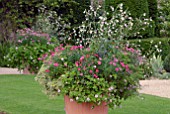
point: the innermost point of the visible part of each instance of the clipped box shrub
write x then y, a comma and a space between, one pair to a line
159, 46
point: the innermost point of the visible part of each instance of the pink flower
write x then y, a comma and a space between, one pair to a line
115, 60
79, 69
47, 70
111, 62
99, 62
90, 71
114, 64
77, 63
95, 75
97, 70
122, 64
81, 74
39, 59
56, 49
117, 69
84, 68
52, 54
56, 64
20, 41
82, 58
96, 55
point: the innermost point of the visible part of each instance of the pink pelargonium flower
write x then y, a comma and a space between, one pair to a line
90, 71
114, 64
56, 64
79, 69
52, 54
39, 59
122, 64
115, 60
97, 70
95, 76
111, 62
81, 74
99, 62
47, 70
117, 69
77, 63
82, 58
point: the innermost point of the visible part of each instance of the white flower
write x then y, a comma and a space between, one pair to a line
71, 100
94, 66
151, 41
96, 96
88, 99
156, 46
16, 48
62, 59
59, 90
77, 98
159, 42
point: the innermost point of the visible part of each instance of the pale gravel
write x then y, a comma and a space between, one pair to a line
153, 87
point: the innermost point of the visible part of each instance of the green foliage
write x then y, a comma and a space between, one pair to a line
4, 50
136, 7
99, 72
29, 47
166, 64
153, 13
159, 46
153, 9
158, 68
164, 18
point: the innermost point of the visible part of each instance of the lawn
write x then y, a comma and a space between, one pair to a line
20, 94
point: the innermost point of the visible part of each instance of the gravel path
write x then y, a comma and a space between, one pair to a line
154, 87
9, 71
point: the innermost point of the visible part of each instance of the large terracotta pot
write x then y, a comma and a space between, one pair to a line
72, 107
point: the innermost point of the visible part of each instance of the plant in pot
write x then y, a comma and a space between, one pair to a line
98, 73
30, 45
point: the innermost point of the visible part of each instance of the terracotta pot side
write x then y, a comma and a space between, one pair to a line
83, 108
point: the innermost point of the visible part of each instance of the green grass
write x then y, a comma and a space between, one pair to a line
20, 94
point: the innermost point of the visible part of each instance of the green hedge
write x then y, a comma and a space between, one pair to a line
148, 46
136, 7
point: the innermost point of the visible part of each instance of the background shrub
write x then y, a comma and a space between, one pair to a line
159, 46
136, 7
4, 50
153, 13
166, 63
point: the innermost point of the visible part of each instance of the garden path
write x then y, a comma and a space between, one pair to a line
154, 86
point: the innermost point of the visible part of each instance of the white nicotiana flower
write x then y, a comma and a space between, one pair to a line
88, 99
96, 96
62, 59
94, 66
59, 90
159, 42
16, 48
31, 57
77, 98
156, 46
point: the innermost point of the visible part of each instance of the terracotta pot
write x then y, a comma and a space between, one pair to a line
72, 107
